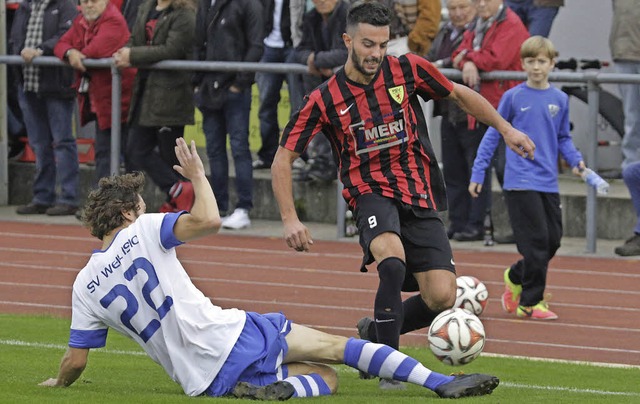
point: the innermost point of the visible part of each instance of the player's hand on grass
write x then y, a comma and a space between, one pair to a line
297, 236
53, 382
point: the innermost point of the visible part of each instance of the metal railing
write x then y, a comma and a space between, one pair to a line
592, 79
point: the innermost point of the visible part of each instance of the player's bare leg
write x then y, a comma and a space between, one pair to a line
309, 345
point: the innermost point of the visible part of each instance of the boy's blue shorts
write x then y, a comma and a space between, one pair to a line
257, 355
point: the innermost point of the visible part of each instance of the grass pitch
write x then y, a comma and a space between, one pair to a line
31, 348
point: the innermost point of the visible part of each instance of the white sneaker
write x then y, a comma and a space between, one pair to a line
239, 219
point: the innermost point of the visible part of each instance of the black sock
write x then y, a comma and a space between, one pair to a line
417, 314
388, 304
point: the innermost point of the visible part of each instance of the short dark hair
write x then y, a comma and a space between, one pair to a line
368, 12
102, 212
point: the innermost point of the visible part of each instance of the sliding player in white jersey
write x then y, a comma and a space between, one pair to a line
137, 286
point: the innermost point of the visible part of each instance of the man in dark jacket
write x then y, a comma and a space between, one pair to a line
493, 44
162, 100
278, 47
232, 31
46, 100
322, 49
459, 142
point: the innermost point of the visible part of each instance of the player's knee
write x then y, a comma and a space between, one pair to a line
330, 376
440, 300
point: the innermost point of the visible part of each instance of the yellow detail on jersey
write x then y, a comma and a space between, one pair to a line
397, 93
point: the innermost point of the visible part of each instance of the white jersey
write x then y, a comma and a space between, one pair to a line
138, 287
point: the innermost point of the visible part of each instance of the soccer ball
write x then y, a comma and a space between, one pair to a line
471, 294
456, 337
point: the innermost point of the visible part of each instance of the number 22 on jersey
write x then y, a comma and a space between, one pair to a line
121, 290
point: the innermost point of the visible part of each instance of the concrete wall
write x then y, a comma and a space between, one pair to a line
316, 202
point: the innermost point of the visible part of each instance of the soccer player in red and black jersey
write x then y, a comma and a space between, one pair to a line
370, 113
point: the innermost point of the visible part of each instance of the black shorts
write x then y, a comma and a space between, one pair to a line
421, 231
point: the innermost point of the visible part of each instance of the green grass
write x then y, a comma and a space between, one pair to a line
31, 348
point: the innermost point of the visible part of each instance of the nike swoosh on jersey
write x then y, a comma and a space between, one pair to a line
344, 111
525, 108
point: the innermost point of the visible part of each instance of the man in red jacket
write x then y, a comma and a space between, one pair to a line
494, 44
98, 33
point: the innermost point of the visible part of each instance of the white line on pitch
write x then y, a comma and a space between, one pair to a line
569, 389
346, 369
24, 304
563, 346
564, 361
12, 342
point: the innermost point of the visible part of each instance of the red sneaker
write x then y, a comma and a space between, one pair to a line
511, 296
182, 195
167, 208
538, 312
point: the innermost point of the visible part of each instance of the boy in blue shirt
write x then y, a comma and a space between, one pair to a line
531, 186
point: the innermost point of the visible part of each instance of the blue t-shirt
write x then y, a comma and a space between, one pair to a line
544, 116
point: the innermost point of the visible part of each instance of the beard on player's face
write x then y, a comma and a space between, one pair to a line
367, 66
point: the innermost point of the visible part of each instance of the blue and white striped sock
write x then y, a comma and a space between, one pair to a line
311, 385
384, 361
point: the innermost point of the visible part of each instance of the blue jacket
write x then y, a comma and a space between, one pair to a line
544, 116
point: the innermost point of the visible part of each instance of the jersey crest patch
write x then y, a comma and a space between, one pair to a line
553, 109
397, 93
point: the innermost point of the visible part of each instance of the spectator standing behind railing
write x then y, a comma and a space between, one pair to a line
494, 44
15, 123
97, 33
631, 176
162, 100
624, 42
322, 49
278, 47
459, 142
46, 100
228, 30
414, 25
536, 15
129, 9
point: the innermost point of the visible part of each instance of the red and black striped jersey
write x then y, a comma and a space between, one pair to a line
375, 131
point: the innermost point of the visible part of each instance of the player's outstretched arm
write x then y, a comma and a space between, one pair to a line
73, 363
476, 105
204, 217
296, 234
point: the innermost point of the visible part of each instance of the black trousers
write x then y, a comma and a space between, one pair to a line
536, 218
459, 148
152, 149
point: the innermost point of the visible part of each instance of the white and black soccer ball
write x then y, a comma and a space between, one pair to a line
471, 294
456, 337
